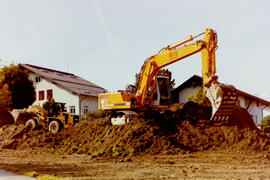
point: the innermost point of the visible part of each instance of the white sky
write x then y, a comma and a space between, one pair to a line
107, 41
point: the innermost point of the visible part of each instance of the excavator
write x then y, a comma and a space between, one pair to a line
152, 94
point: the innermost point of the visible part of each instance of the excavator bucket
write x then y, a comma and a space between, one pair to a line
223, 99
225, 108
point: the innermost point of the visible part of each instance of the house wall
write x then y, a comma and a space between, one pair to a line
59, 94
90, 103
183, 95
254, 108
266, 111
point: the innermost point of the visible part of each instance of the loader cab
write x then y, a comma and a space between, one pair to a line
162, 94
54, 108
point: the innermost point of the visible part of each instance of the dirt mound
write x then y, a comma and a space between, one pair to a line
242, 119
98, 138
11, 135
5, 116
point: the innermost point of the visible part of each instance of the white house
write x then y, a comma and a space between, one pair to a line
254, 105
79, 94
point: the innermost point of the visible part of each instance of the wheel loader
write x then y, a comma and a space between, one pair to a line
150, 94
52, 117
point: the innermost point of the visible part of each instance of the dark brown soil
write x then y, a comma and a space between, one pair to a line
98, 138
156, 148
5, 116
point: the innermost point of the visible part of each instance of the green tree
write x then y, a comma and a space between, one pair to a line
199, 97
161, 72
265, 124
16, 90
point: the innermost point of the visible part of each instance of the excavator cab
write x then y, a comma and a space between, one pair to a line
162, 94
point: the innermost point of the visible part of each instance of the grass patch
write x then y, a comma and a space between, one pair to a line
97, 114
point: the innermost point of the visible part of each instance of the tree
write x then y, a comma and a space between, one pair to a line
16, 90
161, 72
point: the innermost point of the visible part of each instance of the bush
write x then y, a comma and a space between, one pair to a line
265, 124
266, 129
97, 114
199, 98
266, 121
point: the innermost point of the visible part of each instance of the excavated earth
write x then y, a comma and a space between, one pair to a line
154, 148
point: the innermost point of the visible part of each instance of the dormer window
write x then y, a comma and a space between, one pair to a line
37, 79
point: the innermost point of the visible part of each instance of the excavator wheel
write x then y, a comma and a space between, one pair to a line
122, 117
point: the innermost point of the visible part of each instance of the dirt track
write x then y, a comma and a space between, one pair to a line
200, 165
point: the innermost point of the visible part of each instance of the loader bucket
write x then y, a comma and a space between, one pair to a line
21, 116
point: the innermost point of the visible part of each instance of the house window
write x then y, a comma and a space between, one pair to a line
72, 109
49, 94
85, 109
41, 95
37, 79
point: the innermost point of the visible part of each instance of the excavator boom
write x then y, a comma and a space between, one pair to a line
177, 52
223, 98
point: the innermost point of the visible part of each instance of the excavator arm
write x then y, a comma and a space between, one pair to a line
223, 98
177, 52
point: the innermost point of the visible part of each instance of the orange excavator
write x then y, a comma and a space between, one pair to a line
152, 92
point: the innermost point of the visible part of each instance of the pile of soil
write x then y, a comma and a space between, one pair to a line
98, 138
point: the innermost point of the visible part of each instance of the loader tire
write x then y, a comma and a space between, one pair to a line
54, 126
31, 123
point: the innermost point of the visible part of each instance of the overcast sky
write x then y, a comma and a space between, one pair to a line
107, 41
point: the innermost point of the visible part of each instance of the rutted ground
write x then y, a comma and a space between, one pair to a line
216, 164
